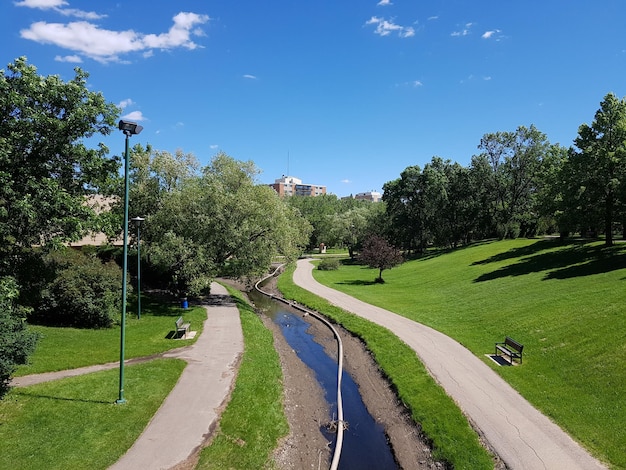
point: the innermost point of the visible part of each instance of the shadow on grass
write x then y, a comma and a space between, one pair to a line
57, 398
578, 260
358, 282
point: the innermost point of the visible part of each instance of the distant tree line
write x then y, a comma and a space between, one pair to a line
518, 185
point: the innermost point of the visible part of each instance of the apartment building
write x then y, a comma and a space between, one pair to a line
292, 186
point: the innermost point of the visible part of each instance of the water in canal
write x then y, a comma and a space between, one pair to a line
364, 443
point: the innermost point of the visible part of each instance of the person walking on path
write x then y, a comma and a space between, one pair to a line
521, 436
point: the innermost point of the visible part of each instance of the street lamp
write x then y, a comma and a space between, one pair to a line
128, 128
137, 221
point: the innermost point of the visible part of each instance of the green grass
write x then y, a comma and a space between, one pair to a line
69, 348
453, 439
74, 423
565, 303
254, 419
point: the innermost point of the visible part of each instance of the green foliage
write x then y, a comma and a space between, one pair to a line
254, 419
595, 173
45, 169
328, 264
378, 253
73, 423
218, 222
564, 302
16, 343
83, 292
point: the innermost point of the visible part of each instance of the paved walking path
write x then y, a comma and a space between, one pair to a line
189, 413
519, 434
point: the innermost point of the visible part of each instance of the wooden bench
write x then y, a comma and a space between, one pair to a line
511, 348
181, 326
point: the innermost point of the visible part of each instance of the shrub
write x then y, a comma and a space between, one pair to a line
328, 264
84, 293
16, 342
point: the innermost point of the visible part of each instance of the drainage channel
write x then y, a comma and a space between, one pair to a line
364, 442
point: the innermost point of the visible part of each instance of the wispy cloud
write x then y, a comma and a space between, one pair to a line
494, 34
251, 77
125, 103
74, 59
135, 116
386, 27
384, 3
463, 32
59, 7
103, 45
346, 181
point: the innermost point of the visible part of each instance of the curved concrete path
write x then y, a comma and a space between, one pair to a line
522, 436
191, 410
187, 416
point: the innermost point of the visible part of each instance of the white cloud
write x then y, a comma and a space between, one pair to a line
251, 77
385, 27
464, 32
384, 3
346, 181
125, 103
214, 146
490, 34
106, 45
135, 116
58, 6
74, 59
417, 83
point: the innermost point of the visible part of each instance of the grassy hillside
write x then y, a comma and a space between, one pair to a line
565, 302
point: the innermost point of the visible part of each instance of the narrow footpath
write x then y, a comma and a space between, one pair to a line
190, 412
524, 438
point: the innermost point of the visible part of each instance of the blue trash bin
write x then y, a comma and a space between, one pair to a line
183, 303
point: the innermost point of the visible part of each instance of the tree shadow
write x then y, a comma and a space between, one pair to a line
580, 259
540, 245
357, 282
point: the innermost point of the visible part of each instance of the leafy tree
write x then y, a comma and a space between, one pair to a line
16, 342
379, 254
596, 169
45, 169
515, 159
319, 211
222, 223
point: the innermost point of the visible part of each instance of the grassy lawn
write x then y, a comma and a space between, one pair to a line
565, 303
254, 419
453, 439
69, 348
74, 423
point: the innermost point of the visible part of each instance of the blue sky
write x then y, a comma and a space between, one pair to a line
345, 94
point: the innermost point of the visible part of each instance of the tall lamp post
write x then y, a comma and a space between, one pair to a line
128, 128
137, 221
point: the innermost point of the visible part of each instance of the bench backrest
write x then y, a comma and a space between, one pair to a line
514, 344
179, 322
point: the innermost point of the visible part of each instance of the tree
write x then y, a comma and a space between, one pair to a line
16, 342
45, 168
222, 223
379, 254
515, 159
596, 168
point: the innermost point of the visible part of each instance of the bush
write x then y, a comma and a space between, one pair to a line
84, 293
328, 264
16, 342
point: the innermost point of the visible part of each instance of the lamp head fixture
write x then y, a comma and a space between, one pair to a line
129, 128
137, 220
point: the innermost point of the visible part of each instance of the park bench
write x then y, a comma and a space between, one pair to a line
511, 348
181, 326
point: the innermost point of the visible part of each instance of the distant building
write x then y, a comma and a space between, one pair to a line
291, 186
372, 196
